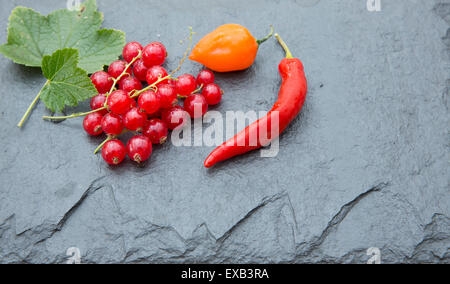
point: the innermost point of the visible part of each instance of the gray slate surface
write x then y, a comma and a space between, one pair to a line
365, 165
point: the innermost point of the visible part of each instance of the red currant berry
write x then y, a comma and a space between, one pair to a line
205, 77
196, 105
129, 84
186, 84
119, 102
212, 93
113, 152
140, 70
131, 50
117, 67
168, 95
156, 114
112, 124
155, 73
174, 117
172, 82
149, 101
92, 124
133, 104
156, 130
139, 148
154, 54
102, 81
134, 120
99, 102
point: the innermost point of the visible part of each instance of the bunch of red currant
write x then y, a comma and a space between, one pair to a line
124, 104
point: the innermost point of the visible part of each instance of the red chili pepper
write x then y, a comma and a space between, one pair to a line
290, 101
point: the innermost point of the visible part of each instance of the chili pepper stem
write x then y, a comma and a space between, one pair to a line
260, 41
285, 47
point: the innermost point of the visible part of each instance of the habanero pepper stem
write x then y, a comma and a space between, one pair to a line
261, 41
290, 101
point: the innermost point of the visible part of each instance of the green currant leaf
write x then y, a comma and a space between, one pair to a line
67, 84
32, 36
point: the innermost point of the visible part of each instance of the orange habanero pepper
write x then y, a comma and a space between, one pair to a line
230, 47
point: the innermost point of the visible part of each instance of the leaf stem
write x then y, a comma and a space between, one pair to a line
30, 108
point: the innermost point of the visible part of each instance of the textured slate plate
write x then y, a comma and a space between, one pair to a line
365, 165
